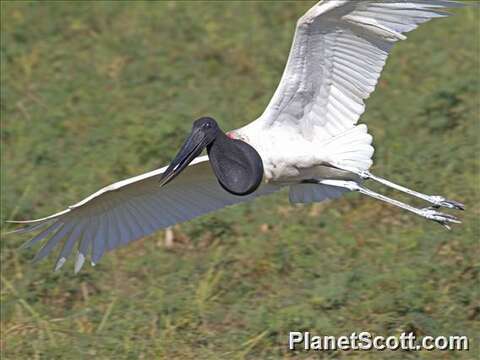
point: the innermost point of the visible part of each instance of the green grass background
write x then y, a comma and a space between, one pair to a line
96, 92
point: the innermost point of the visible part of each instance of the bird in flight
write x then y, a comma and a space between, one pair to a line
307, 139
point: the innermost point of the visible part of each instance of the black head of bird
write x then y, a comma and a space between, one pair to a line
237, 165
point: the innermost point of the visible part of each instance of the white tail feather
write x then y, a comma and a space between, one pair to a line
351, 148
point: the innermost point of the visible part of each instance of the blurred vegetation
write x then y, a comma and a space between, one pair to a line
96, 92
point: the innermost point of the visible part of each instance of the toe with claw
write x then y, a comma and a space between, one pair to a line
441, 218
440, 201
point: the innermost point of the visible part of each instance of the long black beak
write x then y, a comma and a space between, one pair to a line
236, 164
193, 146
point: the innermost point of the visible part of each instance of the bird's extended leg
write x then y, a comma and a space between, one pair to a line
441, 218
436, 200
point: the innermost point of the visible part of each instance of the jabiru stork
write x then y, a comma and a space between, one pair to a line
307, 139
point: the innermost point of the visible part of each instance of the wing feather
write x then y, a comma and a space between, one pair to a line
139, 230
69, 244
42, 235
86, 243
113, 237
53, 241
123, 228
99, 242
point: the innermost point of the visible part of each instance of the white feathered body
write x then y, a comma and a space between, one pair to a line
289, 158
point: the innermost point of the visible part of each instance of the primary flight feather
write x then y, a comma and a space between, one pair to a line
307, 139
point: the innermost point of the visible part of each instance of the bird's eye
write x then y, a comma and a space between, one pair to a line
207, 125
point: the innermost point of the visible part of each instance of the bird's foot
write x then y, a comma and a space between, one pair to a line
440, 201
441, 218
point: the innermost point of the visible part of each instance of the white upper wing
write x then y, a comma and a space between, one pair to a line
338, 52
130, 209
